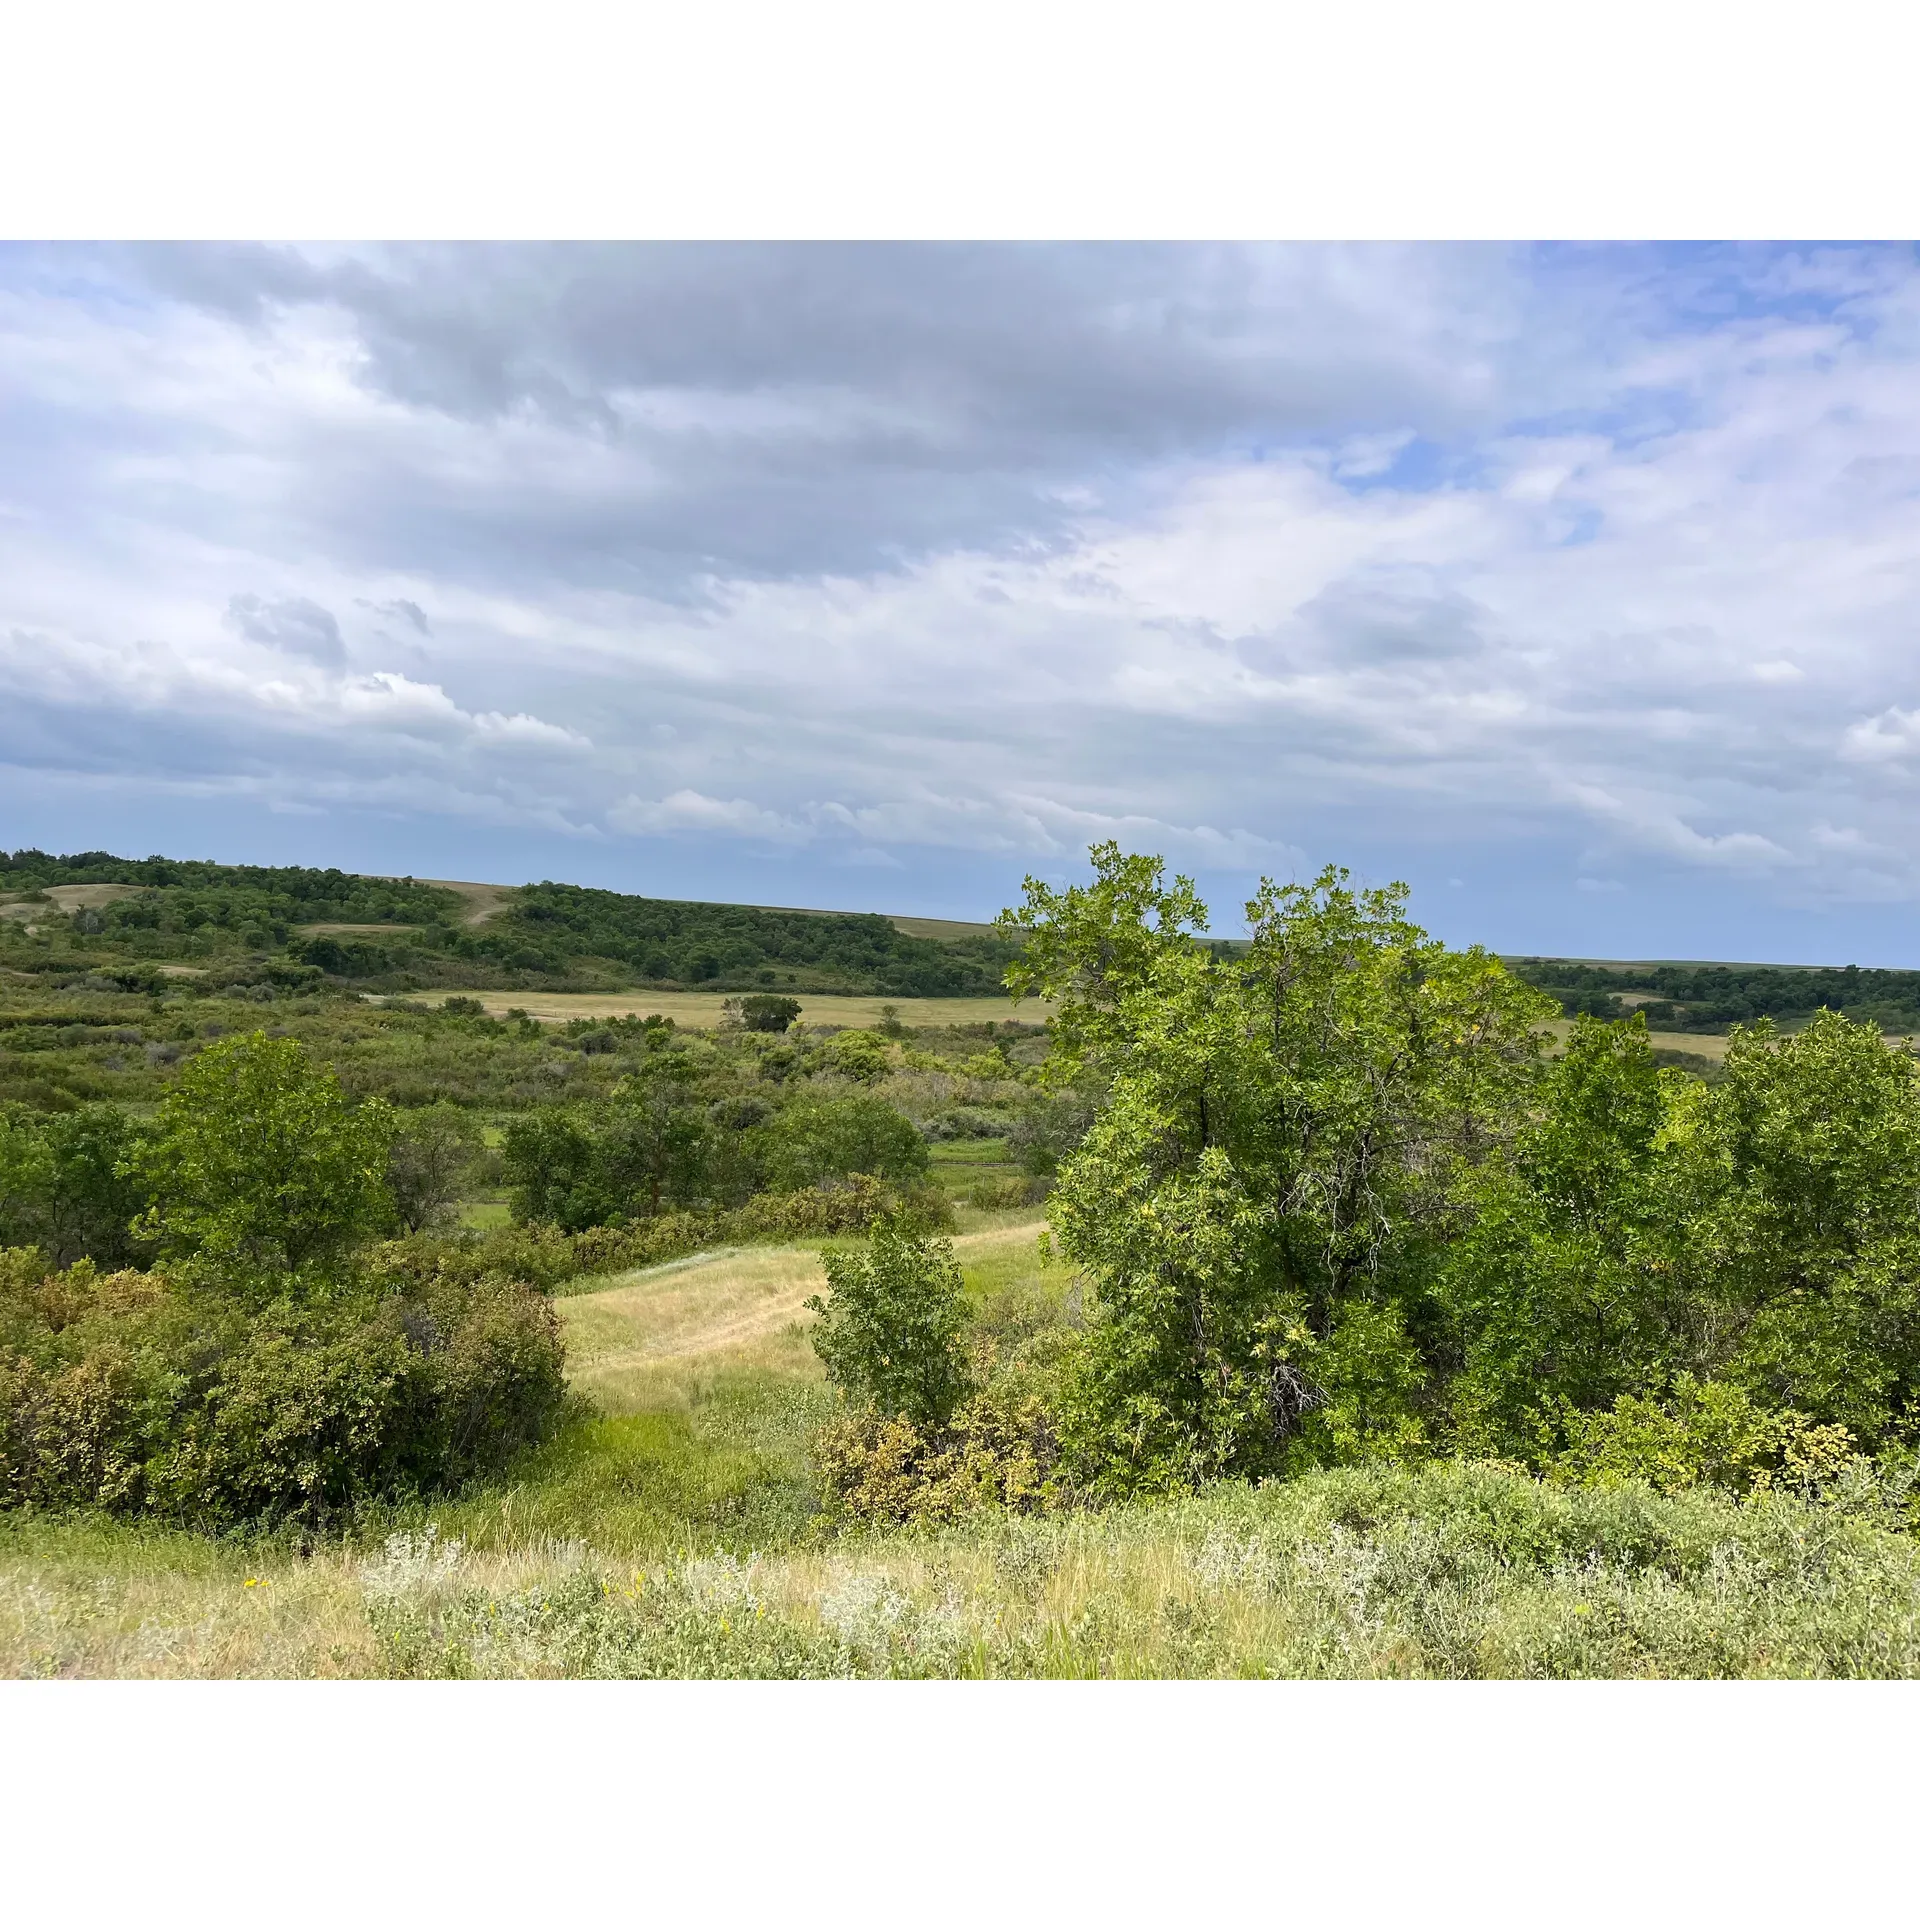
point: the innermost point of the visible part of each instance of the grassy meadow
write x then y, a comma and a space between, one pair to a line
676, 1530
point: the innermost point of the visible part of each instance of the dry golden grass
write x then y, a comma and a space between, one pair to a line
817, 1009
746, 1306
350, 926
484, 898
1712, 1046
92, 893
740, 1308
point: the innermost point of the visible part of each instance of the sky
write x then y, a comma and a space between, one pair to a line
1579, 587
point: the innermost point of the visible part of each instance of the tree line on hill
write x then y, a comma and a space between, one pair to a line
410, 935
1714, 999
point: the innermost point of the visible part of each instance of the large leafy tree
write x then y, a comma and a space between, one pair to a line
1280, 1159
1648, 1233
260, 1168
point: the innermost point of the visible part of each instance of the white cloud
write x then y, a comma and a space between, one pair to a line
1243, 557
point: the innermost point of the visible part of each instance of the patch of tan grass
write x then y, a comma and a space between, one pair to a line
740, 1304
817, 1009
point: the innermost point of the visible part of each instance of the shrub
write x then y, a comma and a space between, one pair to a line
1000, 1449
63, 1186
1706, 1433
993, 1196
1047, 1131
259, 1166
851, 1206
859, 1054
539, 1258
430, 1164
767, 1012
815, 1140
891, 1325
146, 1394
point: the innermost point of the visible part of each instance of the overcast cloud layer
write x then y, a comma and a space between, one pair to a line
1582, 587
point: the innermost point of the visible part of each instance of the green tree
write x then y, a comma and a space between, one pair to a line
431, 1162
892, 1325
1557, 1291
1650, 1237
811, 1141
260, 1167
62, 1187
860, 1054
649, 1147
1261, 1203
768, 1012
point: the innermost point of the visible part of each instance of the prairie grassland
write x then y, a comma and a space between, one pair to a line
743, 1308
1449, 1571
1711, 1046
680, 1534
817, 1009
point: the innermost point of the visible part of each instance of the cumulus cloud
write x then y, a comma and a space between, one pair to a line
1548, 559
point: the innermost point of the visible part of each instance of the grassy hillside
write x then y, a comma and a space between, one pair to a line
70, 915
680, 1534
1703, 997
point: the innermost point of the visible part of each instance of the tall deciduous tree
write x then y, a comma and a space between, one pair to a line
1262, 1202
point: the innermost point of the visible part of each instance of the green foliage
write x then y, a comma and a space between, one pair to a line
859, 1054
138, 1393
1758, 1235
432, 1160
1265, 1194
1712, 999
259, 1166
63, 1187
1048, 1131
553, 928
1704, 1433
810, 1213
811, 1141
891, 1326
649, 1147
768, 1012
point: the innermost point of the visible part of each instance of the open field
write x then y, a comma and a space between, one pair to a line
680, 1536
817, 1009
357, 927
1710, 1046
736, 1307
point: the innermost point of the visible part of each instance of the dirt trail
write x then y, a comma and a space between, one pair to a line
484, 898
716, 1303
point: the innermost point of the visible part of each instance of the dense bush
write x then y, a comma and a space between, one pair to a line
813, 1140
891, 1325
433, 1157
144, 1393
653, 1145
260, 1167
1263, 1198
850, 1206
64, 1187
1338, 1208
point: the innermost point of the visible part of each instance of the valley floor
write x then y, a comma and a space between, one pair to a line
678, 1534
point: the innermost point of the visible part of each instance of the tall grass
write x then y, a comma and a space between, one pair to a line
678, 1550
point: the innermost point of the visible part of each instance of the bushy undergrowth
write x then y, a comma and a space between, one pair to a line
153, 1393
1448, 1571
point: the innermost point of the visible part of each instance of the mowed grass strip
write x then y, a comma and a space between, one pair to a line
744, 1306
